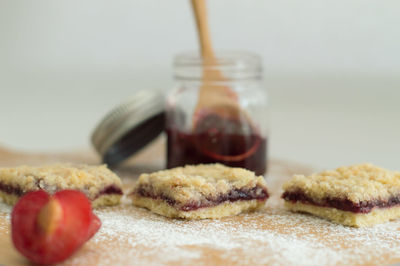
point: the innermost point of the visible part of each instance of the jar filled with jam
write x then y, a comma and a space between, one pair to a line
218, 112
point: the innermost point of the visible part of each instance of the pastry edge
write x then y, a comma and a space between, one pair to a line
9, 199
160, 207
376, 216
101, 201
106, 200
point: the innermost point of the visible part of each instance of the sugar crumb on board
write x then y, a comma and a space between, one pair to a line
273, 236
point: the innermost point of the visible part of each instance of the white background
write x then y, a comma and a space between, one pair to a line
332, 69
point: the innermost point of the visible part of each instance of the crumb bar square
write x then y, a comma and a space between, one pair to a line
200, 191
358, 195
98, 183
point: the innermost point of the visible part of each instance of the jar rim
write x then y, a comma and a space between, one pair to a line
233, 64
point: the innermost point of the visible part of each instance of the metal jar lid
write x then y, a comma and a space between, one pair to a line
129, 127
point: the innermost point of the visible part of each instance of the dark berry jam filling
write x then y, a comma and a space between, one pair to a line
15, 190
256, 193
9, 189
110, 190
343, 204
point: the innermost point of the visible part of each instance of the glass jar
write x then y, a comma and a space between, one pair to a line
218, 112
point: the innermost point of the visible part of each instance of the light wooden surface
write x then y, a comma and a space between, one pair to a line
271, 236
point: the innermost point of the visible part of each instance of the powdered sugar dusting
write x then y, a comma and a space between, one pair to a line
5, 213
272, 236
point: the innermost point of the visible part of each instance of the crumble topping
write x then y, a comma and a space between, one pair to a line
91, 180
357, 183
198, 183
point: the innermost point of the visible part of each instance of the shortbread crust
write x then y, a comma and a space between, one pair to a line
98, 183
359, 195
224, 209
376, 216
202, 191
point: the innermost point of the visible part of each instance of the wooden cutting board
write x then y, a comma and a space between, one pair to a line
134, 236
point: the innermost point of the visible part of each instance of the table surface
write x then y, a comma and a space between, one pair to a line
131, 235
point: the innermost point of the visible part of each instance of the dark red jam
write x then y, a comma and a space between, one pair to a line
343, 204
234, 195
111, 189
215, 140
9, 189
15, 190
255, 193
